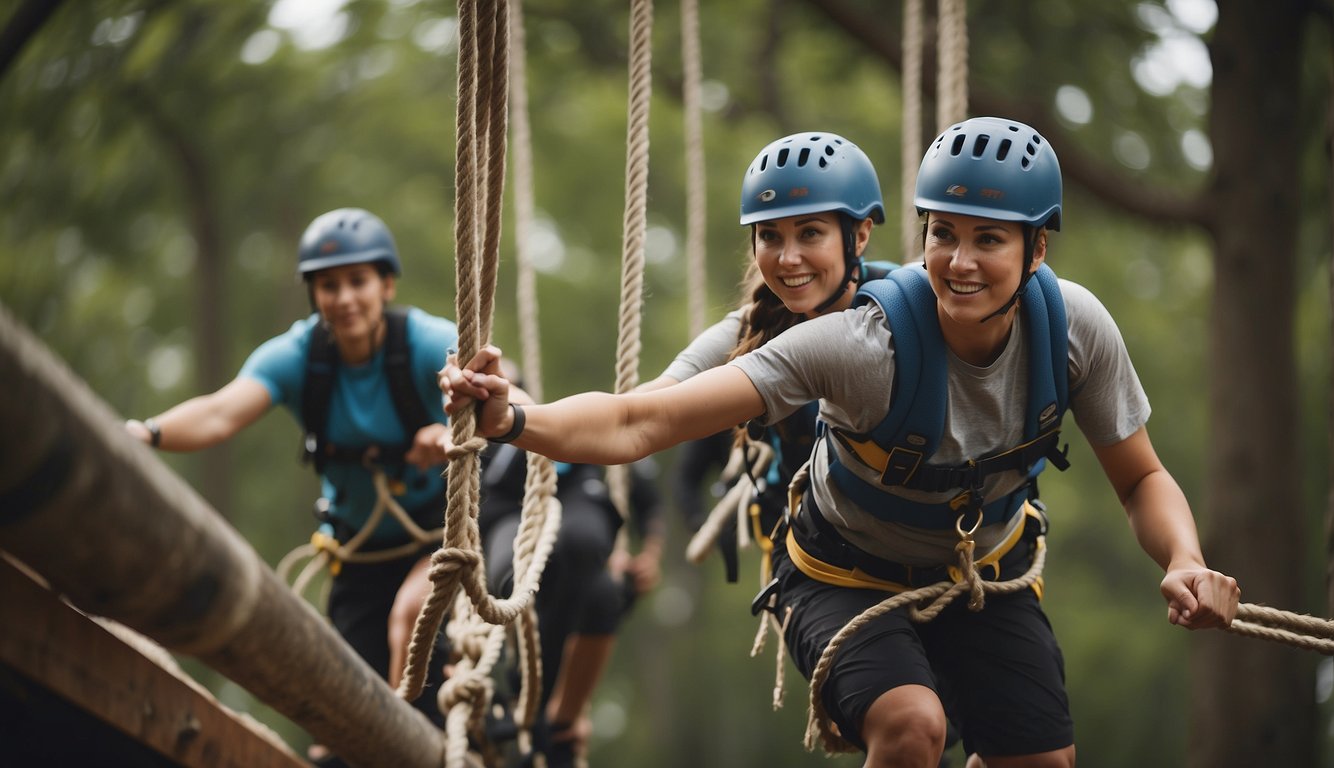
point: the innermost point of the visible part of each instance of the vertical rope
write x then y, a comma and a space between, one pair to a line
952, 64
540, 486
696, 194
911, 155
483, 58
522, 148
634, 224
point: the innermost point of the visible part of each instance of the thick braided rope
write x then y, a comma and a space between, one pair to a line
633, 228
463, 469
952, 63
937, 597
696, 195
1300, 630
911, 155
458, 560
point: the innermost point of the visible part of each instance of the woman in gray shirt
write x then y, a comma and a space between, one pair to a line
989, 190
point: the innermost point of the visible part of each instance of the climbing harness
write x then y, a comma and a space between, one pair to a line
900, 447
325, 549
317, 395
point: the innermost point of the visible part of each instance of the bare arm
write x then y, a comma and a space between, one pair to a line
1162, 522
600, 428
207, 420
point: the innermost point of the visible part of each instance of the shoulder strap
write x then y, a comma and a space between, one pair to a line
398, 370
317, 392
1048, 357
911, 431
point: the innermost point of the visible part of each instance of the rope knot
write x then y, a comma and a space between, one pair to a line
448, 561
470, 446
971, 579
464, 688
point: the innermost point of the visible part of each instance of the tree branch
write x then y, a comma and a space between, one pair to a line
1108, 183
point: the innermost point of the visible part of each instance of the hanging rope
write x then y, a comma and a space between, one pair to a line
952, 64
540, 485
634, 226
696, 196
911, 155
480, 143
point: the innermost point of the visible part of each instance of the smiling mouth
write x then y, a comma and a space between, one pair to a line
797, 282
964, 287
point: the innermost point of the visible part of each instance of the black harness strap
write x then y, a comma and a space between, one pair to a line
317, 394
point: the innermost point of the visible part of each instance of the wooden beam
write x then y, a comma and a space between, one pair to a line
120, 535
73, 656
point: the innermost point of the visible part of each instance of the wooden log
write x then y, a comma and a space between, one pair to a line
115, 531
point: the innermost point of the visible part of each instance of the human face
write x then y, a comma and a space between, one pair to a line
801, 259
974, 265
351, 300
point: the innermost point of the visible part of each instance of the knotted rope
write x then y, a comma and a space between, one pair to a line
480, 138
923, 605
634, 225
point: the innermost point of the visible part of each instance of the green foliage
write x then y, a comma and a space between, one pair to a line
119, 110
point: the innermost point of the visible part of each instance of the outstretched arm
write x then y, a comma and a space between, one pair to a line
207, 420
600, 428
1160, 517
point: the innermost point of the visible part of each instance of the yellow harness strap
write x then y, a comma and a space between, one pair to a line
857, 578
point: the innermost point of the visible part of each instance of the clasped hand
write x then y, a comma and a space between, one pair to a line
479, 382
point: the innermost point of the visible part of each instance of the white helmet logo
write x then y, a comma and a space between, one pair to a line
768, 195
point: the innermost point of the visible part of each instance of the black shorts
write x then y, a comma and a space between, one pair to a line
998, 672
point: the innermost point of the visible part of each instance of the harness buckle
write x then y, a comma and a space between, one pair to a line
766, 600
968, 534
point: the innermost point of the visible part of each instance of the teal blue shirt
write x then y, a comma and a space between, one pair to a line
361, 412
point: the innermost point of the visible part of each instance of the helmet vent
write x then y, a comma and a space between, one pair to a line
1003, 150
980, 145
956, 148
782, 157
803, 156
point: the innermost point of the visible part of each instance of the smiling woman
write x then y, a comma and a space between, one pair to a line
359, 377
934, 484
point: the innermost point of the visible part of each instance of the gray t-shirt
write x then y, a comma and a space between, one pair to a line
846, 361
708, 350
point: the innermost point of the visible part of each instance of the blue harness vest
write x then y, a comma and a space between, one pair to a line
901, 445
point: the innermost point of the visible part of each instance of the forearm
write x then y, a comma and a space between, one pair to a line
588, 428
1162, 522
204, 421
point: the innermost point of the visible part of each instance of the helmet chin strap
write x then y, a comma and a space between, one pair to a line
851, 262
1030, 243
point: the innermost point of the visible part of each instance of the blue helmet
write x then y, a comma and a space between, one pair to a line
346, 236
810, 173
993, 168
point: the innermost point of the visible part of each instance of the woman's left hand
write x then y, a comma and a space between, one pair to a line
1198, 598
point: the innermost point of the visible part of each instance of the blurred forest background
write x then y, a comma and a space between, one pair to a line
159, 160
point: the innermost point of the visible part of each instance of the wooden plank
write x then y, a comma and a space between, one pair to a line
73, 656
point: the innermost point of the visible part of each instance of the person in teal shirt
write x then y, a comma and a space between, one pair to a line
332, 372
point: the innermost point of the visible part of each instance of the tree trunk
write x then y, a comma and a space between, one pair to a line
1258, 694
